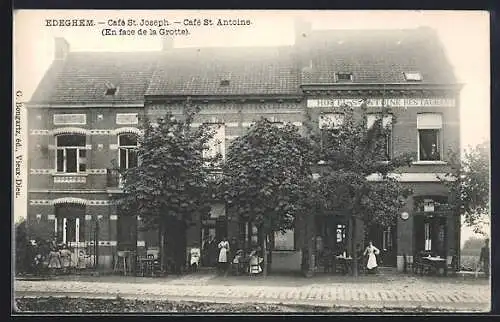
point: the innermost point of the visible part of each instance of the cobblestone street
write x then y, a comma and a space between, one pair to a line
366, 292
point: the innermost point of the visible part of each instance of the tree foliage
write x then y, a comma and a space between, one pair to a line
171, 179
266, 175
350, 153
470, 184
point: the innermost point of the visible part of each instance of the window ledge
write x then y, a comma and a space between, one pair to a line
65, 174
429, 162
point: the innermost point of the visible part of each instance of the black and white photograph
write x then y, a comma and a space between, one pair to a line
250, 161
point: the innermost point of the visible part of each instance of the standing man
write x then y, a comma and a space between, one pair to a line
484, 257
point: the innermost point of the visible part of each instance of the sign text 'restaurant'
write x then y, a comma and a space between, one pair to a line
379, 102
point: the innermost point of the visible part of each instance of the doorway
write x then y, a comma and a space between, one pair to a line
384, 238
212, 232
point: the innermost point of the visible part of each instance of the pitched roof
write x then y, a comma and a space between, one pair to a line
226, 71
85, 77
376, 56
372, 56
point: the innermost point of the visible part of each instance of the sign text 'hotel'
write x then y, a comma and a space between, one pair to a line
379, 102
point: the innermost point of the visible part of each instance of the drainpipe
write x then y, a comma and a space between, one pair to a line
97, 243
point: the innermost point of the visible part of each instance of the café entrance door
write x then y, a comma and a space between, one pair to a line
384, 238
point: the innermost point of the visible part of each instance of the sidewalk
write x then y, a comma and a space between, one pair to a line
363, 292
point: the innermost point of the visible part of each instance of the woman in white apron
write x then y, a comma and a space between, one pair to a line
223, 252
371, 251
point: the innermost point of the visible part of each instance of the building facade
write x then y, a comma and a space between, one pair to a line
84, 122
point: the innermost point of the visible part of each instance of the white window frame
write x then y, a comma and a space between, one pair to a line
413, 76
427, 236
439, 139
340, 231
64, 149
387, 238
337, 80
127, 148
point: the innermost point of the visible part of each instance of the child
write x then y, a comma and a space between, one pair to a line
237, 261
195, 259
54, 260
65, 258
254, 263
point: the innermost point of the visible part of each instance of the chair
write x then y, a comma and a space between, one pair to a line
410, 267
121, 262
450, 264
338, 266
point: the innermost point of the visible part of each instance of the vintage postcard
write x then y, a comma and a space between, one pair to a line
251, 161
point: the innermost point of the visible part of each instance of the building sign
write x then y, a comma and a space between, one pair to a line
379, 102
70, 119
127, 118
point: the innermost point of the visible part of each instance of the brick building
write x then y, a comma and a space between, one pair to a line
84, 115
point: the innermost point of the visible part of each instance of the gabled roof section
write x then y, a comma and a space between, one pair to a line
226, 71
87, 77
376, 56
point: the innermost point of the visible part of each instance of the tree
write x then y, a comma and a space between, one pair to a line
350, 153
470, 183
22, 247
169, 186
265, 177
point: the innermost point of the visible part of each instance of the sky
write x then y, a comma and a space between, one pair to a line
464, 35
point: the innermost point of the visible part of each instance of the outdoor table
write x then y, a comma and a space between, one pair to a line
144, 264
346, 262
436, 263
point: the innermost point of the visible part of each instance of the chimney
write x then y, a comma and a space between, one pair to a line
302, 30
167, 43
61, 48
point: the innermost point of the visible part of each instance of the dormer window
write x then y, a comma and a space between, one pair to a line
111, 91
413, 76
343, 77
110, 88
224, 82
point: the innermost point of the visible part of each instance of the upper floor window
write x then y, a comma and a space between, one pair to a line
127, 145
331, 121
386, 123
329, 125
429, 127
71, 153
216, 144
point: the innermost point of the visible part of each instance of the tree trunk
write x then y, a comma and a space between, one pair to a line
162, 247
264, 254
354, 249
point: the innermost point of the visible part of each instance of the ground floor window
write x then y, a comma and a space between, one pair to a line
430, 234
331, 234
